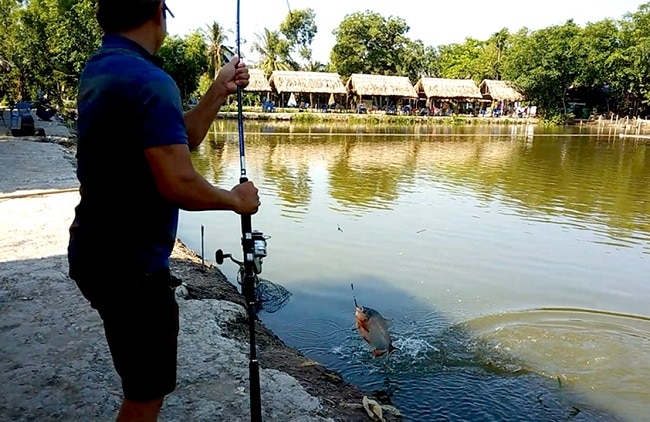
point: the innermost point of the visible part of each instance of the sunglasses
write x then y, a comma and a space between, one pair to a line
166, 10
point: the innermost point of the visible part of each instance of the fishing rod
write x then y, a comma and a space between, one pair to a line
254, 250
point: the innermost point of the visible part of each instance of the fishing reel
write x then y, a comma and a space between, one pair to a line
258, 252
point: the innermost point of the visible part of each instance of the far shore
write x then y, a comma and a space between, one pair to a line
312, 116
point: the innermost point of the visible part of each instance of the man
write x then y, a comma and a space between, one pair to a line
135, 173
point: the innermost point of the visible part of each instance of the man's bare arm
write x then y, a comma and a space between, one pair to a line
178, 181
198, 120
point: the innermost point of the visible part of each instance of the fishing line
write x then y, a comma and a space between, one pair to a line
353, 296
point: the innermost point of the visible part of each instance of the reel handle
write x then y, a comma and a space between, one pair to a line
219, 257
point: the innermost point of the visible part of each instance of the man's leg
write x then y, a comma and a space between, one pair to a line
139, 411
141, 328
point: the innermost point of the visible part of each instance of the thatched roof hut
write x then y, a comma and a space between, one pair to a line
307, 82
257, 81
500, 90
448, 89
389, 86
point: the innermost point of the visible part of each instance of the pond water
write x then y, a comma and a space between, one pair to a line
511, 261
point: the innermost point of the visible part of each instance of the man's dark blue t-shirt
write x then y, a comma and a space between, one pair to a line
126, 104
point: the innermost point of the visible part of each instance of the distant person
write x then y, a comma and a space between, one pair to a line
135, 172
44, 109
268, 106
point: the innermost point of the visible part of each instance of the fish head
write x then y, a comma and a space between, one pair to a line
364, 314
360, 314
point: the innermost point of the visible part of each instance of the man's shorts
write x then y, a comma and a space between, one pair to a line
140, 317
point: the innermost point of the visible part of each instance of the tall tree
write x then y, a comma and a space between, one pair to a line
366, 42
494, 50
299, 27
461, 61
72, 40
315, 66
8, 28
632, 82
215, 37
48, 43
274, 52
546, 63
418, 60
601, 44
185, 59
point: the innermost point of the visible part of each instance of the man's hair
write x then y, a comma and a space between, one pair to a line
122, 15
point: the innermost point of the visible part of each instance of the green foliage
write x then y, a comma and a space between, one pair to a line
366, 42
47, 43
214, 35
601, 44
185, 59
631, 62
401, 120
9, 73
418, 60
275, 52
299, 28
495, 49
555, 119
306, 118
461, 61
456, 120
44, 45
545, 64
474, 59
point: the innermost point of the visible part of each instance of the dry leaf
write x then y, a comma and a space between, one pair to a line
373, 409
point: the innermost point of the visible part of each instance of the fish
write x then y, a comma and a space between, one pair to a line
374, 330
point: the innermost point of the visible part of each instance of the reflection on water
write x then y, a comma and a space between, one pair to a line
451, 232
578, 177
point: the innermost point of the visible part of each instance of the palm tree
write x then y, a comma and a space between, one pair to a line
274, 52
315, 66
215, 36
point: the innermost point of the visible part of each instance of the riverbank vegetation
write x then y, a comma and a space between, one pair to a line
603, 65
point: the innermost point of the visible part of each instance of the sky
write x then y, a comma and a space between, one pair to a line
434, 22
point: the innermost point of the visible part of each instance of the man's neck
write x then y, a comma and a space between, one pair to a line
143, 36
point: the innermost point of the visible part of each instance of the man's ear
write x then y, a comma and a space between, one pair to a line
158, 17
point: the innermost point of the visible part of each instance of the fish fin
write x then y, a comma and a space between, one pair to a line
391, 349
